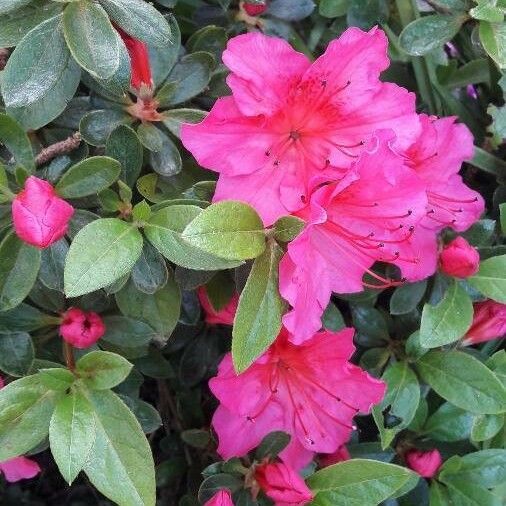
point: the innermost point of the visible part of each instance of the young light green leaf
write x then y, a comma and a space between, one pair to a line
258, 318
102, 252
230, 229
18, 270
72, 434
89, 177
56, 378
486, 426
120, 464
100, 370
447, 321
26, 406
358, 482
491, 278
492, 37
287, 228
464, 381
91, 38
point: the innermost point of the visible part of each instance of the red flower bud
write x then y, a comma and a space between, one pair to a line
283, 485
459, 259
40, 216
81, 329
340, 455
254, 8
489, 322
224, 316
139, 61
425, 463
221, 498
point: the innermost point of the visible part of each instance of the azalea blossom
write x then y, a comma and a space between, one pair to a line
459, 259
282, 484
489, 322
81, 329
221, 498
425, 463
291, 124
225, 316
370, 215
40, 217
310, 391
340, 455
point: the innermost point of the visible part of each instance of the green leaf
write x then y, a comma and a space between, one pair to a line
26, 407
464, 493
15, 25
212, 39
52, 265
88, 177
164, 230
18, 271
213, 484
56, 378
487, 11
16, 353
272, 445
120, 464
401, 400
492, 38
191, 75
100, 370
150, 136
23, 318
449, 423
167, 161
174, 118
449, 320
7, 6
17, 142
159, 310
230, 229
127, 332
333, 8
357, 482
287, 228
124, 145
36, 65
438, 495
196, 437
150, 272
258, 319
464, 381
102, 252
491, 278
429, 32
96, 126
91, 38
407, 297
486, 427
72, 434
140, 20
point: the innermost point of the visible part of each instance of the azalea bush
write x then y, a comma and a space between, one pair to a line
252, 252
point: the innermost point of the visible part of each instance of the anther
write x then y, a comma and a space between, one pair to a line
276, 162
267, 153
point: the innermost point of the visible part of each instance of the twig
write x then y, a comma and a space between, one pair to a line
58, 148
68, 353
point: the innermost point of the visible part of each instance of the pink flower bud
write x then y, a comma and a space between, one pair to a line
40, 216
489, 322
81, 329
254, 8
340, 455
139, 60
224, 316
19, 468
221, 498
283, 485
425, 463
459, 259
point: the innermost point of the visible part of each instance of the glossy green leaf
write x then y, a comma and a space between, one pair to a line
464, 381
493, 37
16, 141
333, 8
88, 177
150, 272
230, 229
449, 423
72, 434
491, 278
102, 252
174, 118
52, 265
100, 370
16, 353
167, 160
357, 482
258, 318
91, 38
271, 445
7, 6
407, 297
123, 331
287, 228
486, 427
56, 378
96, 126
18, 271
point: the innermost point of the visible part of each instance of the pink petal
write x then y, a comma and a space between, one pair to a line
19, 468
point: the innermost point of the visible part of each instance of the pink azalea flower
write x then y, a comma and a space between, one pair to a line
291, 124
370, 215
81, 329
40, 217
489, 322
310, 391
340, 455
282, 484
221, 498
425, 463
224, 316
459, 259
437, 156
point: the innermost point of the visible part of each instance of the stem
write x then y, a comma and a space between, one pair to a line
58, 148
68, 353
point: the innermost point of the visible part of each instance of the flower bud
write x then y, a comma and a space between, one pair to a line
40, 217
81, 329
221, 498
224, 316
489, 322
253, 8
425, 463
139, 61
283, 485
459, 259
340, 455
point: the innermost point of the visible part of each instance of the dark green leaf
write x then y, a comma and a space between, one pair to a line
127, 332
271, 445
96, 126
16, 353
52, 265
449, 423
406, 297
16, 141
150, 272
